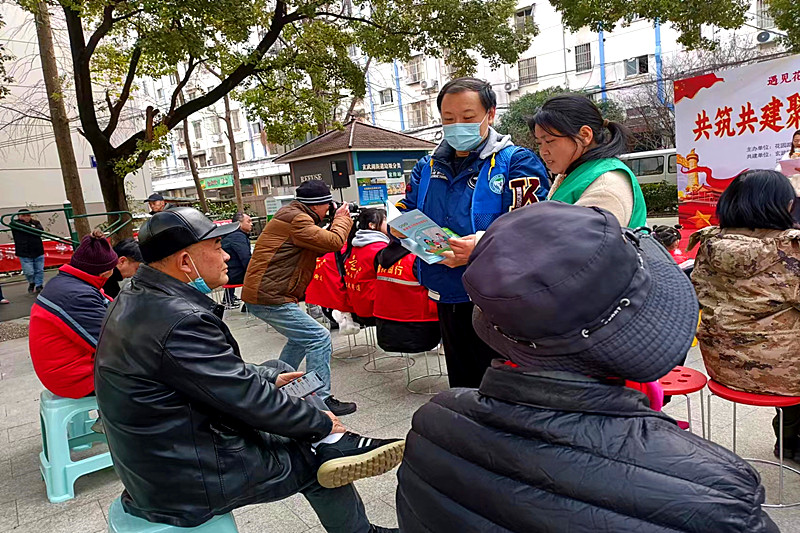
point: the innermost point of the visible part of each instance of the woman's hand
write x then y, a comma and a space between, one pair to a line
461, 250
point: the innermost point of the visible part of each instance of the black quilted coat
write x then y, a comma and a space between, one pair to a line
557, 453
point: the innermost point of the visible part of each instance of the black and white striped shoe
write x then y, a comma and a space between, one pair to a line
355, 457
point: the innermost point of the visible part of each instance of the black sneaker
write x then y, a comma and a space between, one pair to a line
31, 286
340, 408
244, 308
355, 457
378, 529
39, 289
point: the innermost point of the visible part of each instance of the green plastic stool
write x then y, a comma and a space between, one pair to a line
121, 522
66, 426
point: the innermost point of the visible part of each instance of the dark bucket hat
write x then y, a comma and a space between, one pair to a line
564, 287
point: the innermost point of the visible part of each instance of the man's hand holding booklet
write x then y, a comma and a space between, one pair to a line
421, 235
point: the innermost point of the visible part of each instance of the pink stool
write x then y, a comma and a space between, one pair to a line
759, 400
682, 381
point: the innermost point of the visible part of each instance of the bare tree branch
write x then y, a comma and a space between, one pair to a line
116, 109
181, 85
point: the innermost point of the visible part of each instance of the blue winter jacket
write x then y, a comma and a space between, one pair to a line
237, 245
448, 200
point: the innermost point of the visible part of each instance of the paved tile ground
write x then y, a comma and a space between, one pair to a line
385, 409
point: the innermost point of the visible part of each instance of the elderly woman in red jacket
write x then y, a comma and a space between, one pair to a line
66, 319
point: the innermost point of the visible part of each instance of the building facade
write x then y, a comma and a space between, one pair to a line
211, 151
616, 65
30, 171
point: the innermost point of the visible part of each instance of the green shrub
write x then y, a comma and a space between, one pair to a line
661, 198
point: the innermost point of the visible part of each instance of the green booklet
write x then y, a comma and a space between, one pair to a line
423, 237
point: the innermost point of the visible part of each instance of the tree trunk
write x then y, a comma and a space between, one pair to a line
201, 194
237, 186
58, 117
113, 189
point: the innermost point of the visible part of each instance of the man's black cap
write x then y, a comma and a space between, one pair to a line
313, 192
173, 230
564, 287
155, 197
129, 248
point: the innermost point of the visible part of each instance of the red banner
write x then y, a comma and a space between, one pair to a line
55, 254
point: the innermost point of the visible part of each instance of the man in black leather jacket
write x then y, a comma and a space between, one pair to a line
195, 431
553, 441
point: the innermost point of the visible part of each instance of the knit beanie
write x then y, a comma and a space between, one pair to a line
313, 192
94, 255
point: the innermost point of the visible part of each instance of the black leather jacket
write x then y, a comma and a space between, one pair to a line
193, 430
536, 454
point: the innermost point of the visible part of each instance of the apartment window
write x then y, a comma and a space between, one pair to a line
255, 127
235, 120
527, 71
213, 125
418, 114
198, 129
763, 18
191, 94
415, 70
583, 57
386, 96
636, 66
218, 155
160, 94
179, 135
240, 151
524, 18
200, 160
175, 78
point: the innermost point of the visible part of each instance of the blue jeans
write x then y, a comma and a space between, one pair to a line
33, 268
307, 338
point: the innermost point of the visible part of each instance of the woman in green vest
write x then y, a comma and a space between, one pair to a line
580, 147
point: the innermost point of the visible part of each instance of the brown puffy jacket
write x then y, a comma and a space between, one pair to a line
285, 254
748, 284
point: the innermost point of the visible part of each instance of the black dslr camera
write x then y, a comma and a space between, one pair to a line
334, 206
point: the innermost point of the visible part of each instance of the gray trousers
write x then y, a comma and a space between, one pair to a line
339, 510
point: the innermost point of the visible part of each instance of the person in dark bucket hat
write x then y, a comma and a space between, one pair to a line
603, 302
553, 440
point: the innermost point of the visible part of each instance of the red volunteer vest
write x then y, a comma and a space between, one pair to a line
400, 297
326, 288
359, 277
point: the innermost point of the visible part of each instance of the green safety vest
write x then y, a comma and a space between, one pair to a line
576, 182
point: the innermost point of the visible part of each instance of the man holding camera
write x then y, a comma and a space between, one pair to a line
281, 268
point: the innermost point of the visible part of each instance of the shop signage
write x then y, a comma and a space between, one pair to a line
217, 182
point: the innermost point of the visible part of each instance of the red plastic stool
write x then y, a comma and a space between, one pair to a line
758, 400
682, 381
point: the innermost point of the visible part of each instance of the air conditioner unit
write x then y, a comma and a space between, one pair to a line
765, 37
195, 145
511, 86
216, 137
428, 85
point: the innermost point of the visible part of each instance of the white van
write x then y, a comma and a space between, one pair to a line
653, 166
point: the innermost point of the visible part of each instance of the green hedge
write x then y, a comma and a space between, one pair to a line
660, 198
